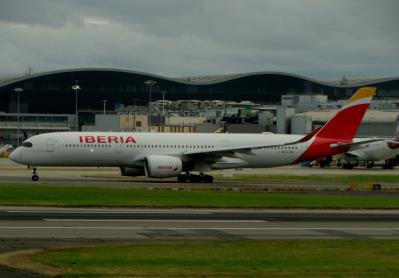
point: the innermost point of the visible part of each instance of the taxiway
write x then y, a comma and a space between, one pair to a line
23, 222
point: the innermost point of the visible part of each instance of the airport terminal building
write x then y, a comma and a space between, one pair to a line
52, 93
47, 102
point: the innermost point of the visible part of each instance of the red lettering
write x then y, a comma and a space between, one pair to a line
101, 139
130, 139
112, 139
90, 139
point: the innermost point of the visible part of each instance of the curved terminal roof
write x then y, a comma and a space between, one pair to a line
204, 80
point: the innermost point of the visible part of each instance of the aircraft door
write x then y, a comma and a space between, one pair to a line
51, 145
118, 148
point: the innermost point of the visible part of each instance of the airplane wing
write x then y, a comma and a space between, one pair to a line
356, 145
231, 151
216, 153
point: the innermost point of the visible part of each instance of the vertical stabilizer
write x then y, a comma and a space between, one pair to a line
341, 128
344, 125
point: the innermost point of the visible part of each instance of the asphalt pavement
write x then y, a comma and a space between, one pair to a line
23, 222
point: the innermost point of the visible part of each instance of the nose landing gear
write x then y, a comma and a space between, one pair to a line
35, 176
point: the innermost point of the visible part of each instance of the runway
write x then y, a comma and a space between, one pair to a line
37, 223
12, 173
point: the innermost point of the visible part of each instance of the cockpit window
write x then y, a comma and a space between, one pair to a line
27, 144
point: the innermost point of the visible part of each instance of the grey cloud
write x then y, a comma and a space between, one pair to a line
322, 39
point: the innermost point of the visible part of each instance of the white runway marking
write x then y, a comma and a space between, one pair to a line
196, 228
108, 212
152, 220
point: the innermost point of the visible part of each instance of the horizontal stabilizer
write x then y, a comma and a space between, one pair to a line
356, 144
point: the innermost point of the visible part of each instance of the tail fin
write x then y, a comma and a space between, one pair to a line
344, 125
340, 129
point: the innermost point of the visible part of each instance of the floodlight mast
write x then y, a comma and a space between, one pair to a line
150, 83
105, 101
163, 102
76, 87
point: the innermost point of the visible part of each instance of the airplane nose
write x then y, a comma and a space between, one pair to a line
16, 156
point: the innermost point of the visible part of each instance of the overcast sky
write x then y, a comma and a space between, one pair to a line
316, 38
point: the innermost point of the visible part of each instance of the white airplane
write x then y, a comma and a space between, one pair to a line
371, 152
162, 155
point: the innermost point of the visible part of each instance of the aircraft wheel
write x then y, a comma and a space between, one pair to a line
347, 166
194, 178
207, 179
182, 178
388, 167
35, 177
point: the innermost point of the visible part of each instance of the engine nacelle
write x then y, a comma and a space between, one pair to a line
132, 171
162, 166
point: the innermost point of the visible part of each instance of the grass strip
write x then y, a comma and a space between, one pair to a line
40, 195
320, 179
278, 258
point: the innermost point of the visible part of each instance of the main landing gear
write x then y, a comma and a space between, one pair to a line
188, 177
389, 164
348, 166
35, 176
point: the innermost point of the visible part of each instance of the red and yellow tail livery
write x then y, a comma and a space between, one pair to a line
339, 131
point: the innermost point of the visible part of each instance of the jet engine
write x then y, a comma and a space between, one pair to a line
162, 166
132, 171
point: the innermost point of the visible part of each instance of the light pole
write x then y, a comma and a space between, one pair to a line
149, 83
134, 112
18, 90
105, 101
76, 88
163, 102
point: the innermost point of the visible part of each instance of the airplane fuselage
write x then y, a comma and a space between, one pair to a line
111, 149
375, 151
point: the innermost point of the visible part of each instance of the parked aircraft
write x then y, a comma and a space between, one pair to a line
162, 155
384, 150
